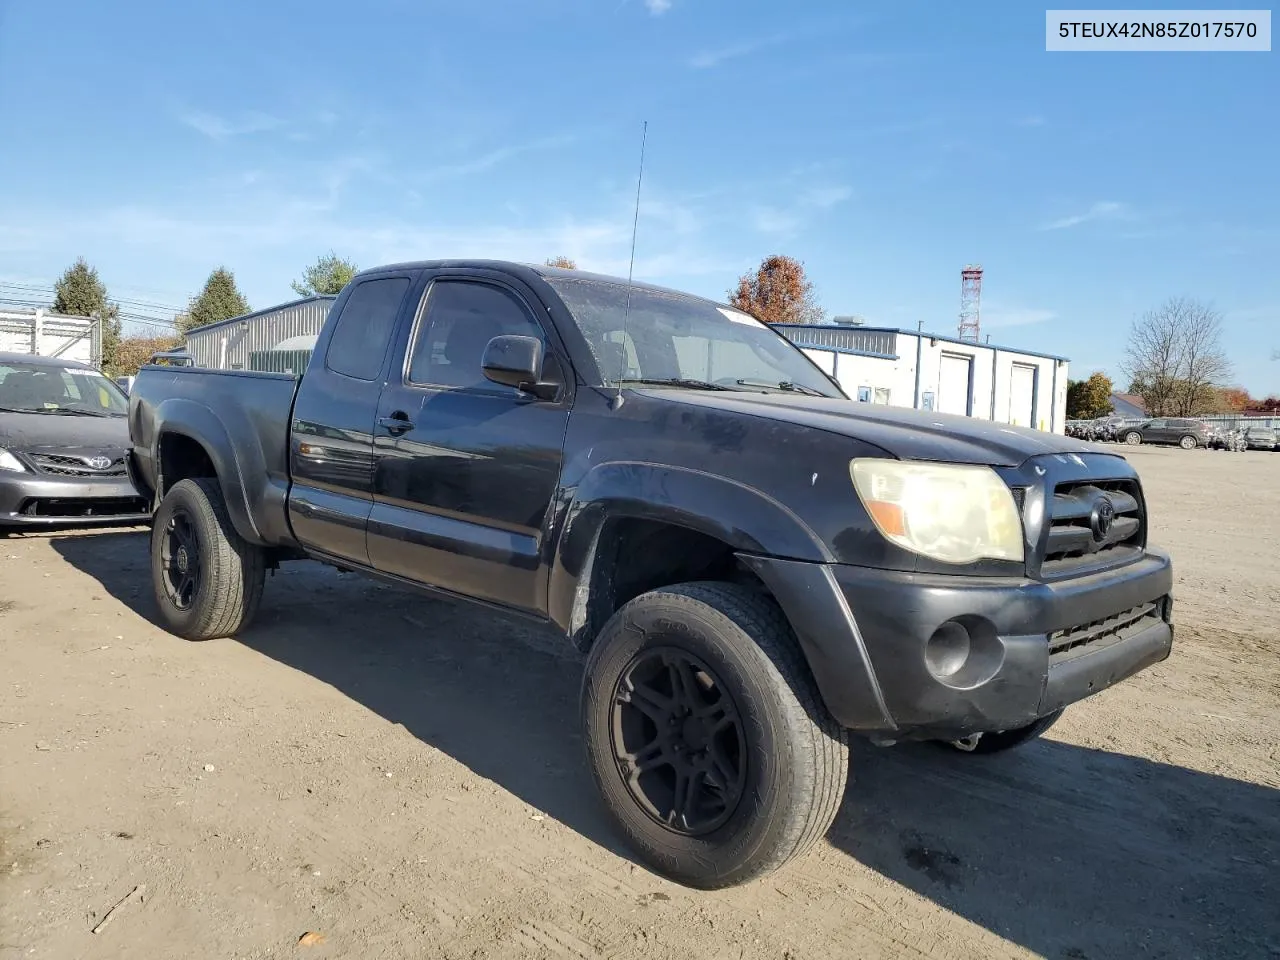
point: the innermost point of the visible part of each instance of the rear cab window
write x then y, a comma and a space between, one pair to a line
363, 330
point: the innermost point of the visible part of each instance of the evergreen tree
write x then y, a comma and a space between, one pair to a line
79, 292
219, 300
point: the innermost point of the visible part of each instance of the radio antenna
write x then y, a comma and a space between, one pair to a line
635, 226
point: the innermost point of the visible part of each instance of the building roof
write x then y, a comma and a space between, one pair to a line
916, 333
261, 313
1128, 405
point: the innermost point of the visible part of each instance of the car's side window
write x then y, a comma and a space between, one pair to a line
1156, 425
461, 317
363, 329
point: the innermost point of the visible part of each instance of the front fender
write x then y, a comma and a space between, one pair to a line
744, 518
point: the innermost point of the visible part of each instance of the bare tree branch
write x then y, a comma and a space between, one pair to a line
1175, 360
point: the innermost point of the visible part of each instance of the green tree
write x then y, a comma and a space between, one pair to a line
778, 292
328, 275
219, 300
1089, 399
79, 292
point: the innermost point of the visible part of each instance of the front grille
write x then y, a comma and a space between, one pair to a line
68, 466
83, 507
1077, 542
1089, 637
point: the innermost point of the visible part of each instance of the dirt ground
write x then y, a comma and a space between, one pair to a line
405, 778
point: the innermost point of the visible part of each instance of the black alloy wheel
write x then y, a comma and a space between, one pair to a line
180, 559
678, 741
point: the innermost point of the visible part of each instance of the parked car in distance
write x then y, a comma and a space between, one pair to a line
1260, 438
63, 439
752, 563
125, 384
1185, 433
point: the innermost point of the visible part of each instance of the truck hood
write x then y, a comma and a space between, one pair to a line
907, 434
42, 431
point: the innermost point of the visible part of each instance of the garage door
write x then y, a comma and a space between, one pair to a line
1022, 395
953, 384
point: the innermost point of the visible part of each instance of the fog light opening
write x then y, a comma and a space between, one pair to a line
947, 650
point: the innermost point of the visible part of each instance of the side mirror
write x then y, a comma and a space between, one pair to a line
517, 362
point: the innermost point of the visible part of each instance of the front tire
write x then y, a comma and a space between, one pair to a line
707, 736
207, 579
1133, 438
1187, 443
1006, 739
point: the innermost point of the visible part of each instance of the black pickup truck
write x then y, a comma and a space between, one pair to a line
752, 563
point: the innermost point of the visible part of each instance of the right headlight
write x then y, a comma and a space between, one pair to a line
955, 513
9, 462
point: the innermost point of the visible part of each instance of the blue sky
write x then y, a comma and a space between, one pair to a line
884, 144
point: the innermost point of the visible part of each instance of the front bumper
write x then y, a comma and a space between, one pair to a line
35, 500
1033, 647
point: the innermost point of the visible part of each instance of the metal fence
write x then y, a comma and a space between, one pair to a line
230, 344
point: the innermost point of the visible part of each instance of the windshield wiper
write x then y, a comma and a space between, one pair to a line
61, 411
785, 385
678, 382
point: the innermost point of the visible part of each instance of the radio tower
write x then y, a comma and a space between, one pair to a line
970, 303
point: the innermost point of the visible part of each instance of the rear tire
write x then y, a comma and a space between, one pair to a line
1007, 739
763, 763
1133, 438
1188, 443
207, 579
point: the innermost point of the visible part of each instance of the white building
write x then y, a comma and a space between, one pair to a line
907, 368
47, 334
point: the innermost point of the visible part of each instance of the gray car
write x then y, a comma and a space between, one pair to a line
63, 437
1261, 438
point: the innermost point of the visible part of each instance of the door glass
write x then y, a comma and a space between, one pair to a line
364, 327
462, 317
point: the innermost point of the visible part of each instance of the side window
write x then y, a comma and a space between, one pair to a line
1156, 425
462, 317
364, 328
864, 394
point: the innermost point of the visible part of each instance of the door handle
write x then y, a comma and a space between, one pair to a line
398, 422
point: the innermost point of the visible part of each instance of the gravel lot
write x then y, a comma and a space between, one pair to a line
404, 777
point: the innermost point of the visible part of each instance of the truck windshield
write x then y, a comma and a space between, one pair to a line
684, 341
49, 389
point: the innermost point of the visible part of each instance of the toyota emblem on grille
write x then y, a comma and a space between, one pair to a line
99, 463
1104, 515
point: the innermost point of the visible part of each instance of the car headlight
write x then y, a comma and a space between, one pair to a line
9, 462
954, 513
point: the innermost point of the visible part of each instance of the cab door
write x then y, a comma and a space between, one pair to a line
331, 436
466, 470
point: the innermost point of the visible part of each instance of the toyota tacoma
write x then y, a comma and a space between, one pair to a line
752, 564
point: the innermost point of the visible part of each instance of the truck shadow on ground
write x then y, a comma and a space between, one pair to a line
1070, 852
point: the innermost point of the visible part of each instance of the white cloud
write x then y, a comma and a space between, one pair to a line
823, 198
706, 59
1000, 315
657, 7
493, 158
1102, 210
776, 221
222, 128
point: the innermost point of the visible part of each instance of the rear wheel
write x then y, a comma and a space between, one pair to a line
207, 579
707, 736
1188, 442
1006, 739
1133, 438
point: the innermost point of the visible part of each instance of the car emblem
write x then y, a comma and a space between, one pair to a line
1104, 515
99, 463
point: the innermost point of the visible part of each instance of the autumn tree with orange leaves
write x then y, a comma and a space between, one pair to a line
778, 292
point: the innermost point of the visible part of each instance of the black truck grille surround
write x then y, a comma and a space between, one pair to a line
1083, 536
1088, 637
68, 466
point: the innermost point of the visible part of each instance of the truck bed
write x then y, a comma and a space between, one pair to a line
237, 419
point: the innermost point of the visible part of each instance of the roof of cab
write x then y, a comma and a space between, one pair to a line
537, 269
